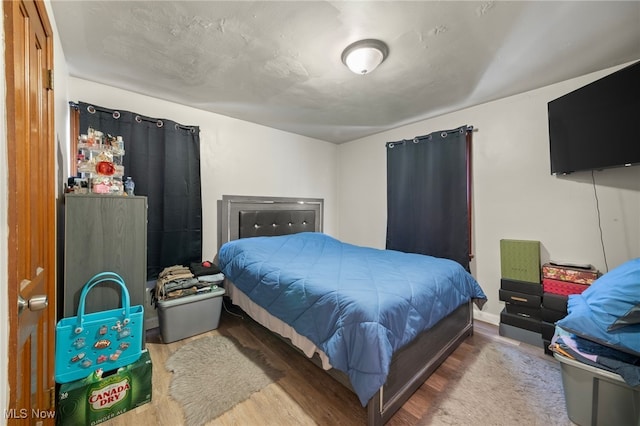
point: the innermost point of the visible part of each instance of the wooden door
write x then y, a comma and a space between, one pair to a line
31, 212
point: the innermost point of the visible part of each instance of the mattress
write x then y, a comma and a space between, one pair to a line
264, 318
357, 305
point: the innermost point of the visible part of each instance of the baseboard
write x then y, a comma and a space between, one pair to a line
486, 317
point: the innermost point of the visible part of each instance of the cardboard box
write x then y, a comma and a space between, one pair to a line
566, 273
520, 334
557, 302
521, 286
93, 400
524, 311
521, 299
520, 260
564, 288
519, 321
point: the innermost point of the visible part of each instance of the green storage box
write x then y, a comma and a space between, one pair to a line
520, 260
95, 400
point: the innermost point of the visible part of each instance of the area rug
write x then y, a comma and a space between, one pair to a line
502, 385
213, 374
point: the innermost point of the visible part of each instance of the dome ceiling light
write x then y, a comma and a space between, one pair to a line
364, 56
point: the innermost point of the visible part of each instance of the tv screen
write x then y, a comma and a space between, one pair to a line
596, 126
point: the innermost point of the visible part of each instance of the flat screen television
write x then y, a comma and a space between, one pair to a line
596, 126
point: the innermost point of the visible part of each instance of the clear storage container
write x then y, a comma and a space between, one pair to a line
598, 397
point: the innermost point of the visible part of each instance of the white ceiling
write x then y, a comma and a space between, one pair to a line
277, 63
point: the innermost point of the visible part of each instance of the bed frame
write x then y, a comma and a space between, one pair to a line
242, 217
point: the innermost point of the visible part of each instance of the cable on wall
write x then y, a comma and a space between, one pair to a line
595, 193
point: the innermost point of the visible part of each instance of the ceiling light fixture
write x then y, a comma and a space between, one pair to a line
364, 56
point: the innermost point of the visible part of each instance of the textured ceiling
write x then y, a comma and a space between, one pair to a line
278, 63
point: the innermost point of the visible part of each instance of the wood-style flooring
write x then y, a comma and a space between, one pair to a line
305, 395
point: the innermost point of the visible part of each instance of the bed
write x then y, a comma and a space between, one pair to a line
363, 314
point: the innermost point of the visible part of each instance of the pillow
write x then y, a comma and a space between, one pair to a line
582, 322
614, 298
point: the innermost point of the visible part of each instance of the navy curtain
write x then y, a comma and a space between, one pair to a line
163, 159
428, 195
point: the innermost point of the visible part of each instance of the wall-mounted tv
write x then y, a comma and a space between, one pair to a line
596, 126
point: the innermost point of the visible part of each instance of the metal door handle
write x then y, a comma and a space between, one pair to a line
36, 303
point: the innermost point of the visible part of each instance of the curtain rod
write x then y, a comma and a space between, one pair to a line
138, 118
443, 133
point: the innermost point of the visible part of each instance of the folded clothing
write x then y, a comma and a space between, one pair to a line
213, 279
597, 355
204, 268
176, 281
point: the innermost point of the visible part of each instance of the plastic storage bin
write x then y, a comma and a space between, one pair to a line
189, 315
597, 397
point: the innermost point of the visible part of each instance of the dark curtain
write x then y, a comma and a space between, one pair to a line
163, 159
428, 195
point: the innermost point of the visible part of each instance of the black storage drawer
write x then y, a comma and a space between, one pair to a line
548, 330
521, 287
520, 298
551, 315
519, 321
557, 302
524, 311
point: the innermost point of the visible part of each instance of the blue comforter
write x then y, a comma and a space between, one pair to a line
359, 305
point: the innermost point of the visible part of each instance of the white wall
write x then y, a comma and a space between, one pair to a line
237, 157
514, 195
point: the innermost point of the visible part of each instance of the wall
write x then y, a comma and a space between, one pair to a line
514, 195
237, 157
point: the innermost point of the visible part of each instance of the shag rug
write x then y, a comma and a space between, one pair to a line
503, 386
213, 374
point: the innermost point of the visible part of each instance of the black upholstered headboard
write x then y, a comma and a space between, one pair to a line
242, 217
260, 223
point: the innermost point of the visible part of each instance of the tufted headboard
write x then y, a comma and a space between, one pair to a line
241, 216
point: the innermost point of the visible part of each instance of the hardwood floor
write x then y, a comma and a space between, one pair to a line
305, 395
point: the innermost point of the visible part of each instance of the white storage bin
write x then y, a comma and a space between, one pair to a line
189, 315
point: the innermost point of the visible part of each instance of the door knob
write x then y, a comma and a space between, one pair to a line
36, 303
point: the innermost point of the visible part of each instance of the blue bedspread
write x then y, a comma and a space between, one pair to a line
359, 305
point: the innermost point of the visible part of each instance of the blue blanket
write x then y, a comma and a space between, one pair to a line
359, 305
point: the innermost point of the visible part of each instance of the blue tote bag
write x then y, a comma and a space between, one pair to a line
100, 340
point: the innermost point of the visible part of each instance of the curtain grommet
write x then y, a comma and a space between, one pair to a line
138, 119
91, 109
159, 123
443, 134
116, 114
